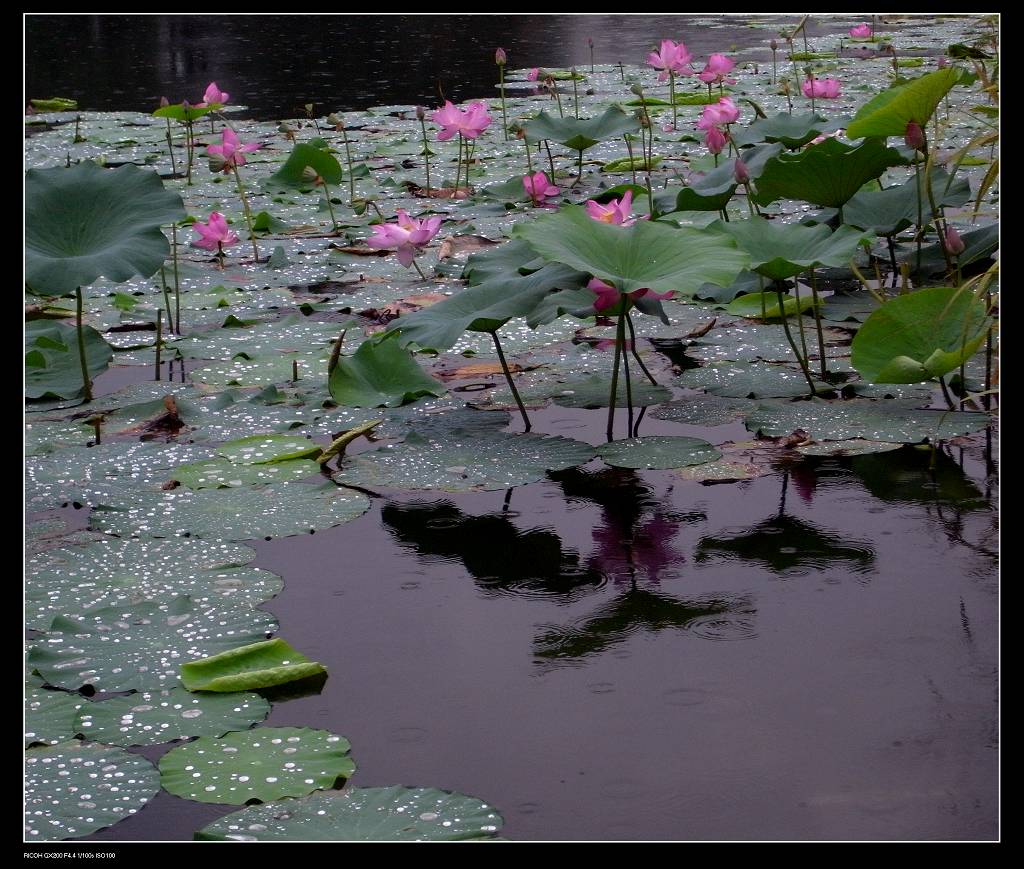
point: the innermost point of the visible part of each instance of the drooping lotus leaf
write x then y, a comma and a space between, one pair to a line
248, 668
829, 173
704, 410
793, 131
746, 282
766, 305
780, 250
74, 789
889, 211
748, 380
485, 307
889, 113
886, 420
155, 717
292, 174
978, 244
264, 764
242, 513
387, 814
594, 391
581, 133
50, 715
646, 255
855, 306
658, 452
139, 648
178, 112
483, 462
84, 222
512, 256
52, 364
381, 374
713, 190
61, 104
71, 580
919, 336
269, 449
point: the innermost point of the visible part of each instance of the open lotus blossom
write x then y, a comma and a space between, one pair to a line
725, 111
407, 237
715, 140
821, 88
616, 211
954, 243
213, 96
214, 234
608, 296
533, 74
539, 188
673, 57
861, 31
470, 123
231, 152
716, 70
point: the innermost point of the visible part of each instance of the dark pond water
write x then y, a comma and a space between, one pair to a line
277, 63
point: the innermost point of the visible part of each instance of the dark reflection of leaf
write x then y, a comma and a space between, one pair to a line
639, 610
501, 557
905, 477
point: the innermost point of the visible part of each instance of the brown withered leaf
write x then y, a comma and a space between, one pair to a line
703, 330
459, 244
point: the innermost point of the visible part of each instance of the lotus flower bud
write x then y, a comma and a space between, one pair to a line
740, 171
421, 113
186, 105
218, 163
500, 57
309, 174
914, 136
942, 62
954, 244
715, 140
637, 89
333, 119
164, 102
590, 41
773, 45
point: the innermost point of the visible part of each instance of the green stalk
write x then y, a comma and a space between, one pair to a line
800, 318
636, 355
988, 354
629, 384
177, 283
575, 95
419, 269
629, 150
945, 393
159, 336
330, 207
792, 343
529, 160
551, 161
620, 333
672, 97
936, 212
86, 382
167, 297
501, 82
351, 177
426, 152
170, 147
775, 71
248, 213
558, 99
817, 323
511, 383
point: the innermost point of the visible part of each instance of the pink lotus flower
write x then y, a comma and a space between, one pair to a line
407, 237
539, 188
740, 172
821, 88
715, 140
500, 58
725, 111
716, 70
615, 212
609, 297
914, 136
861, 31
673, 57
532, 74
214, 234
231, 152
470, 123
954, 244
941, 63
213, 96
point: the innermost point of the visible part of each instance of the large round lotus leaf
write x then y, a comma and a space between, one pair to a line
244, 513
153, 717
388, 814
893, 421
460, 463
221, 473
660, 451
889, 113
74, 789
85, 221
595, 390
50, 715
266, 448
707, 410
114, 572
263, 338
241, 370
264, 764
919, 336
52, 363
47, 436
140, 648
581, 133
746, 380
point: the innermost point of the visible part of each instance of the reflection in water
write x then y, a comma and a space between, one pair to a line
784, 543
642, 610
501, 557
906, 477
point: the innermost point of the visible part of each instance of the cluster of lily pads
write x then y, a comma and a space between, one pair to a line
804, 283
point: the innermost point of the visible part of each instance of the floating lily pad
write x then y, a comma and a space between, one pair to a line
52, 364
268, 449
892, 421
707, 410
594, 391
657, 452
748, 380
853, 447
388, 814
154, 717
221, 473
50, 715
766, 305
140, 647
791, 130
264, 764
260, 665
461, 464
241, 513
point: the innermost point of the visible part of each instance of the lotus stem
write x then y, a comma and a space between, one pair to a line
501, 84
988, 353
622, 70
191, 150
945, 393
629, 150
551, 161
620, 333
591, 57
629, 383
529, 161
579, 169
817, 323
295, 370
575, 95
417, 265
248, 213
86, 382
170, 147
792, 343
800, 317
558, 99
639, 419
937, 215
764, 302
167, 297
636, 355
672, 98
348, 158
511, 383
330, 207
892, 257
332, 363
177, 282
426, 150
775, 71
920, 211
159, 335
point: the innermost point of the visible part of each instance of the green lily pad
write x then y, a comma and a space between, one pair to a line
748, 380
50, 715
920, 336
155, 717
243, 513
292, 172
260, 665
714, 189
74, 789
84, 221
889, 113
387, 814
793, 131
657, 452
380, 374
979, 244
221, 473
483, 462
894, 209
746, 282
52, 364
264, 764
289, 335
852, 447
512, 256
265, 449
766, 305
138, 648
581, 133
886, 420
706, 410
594, 391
